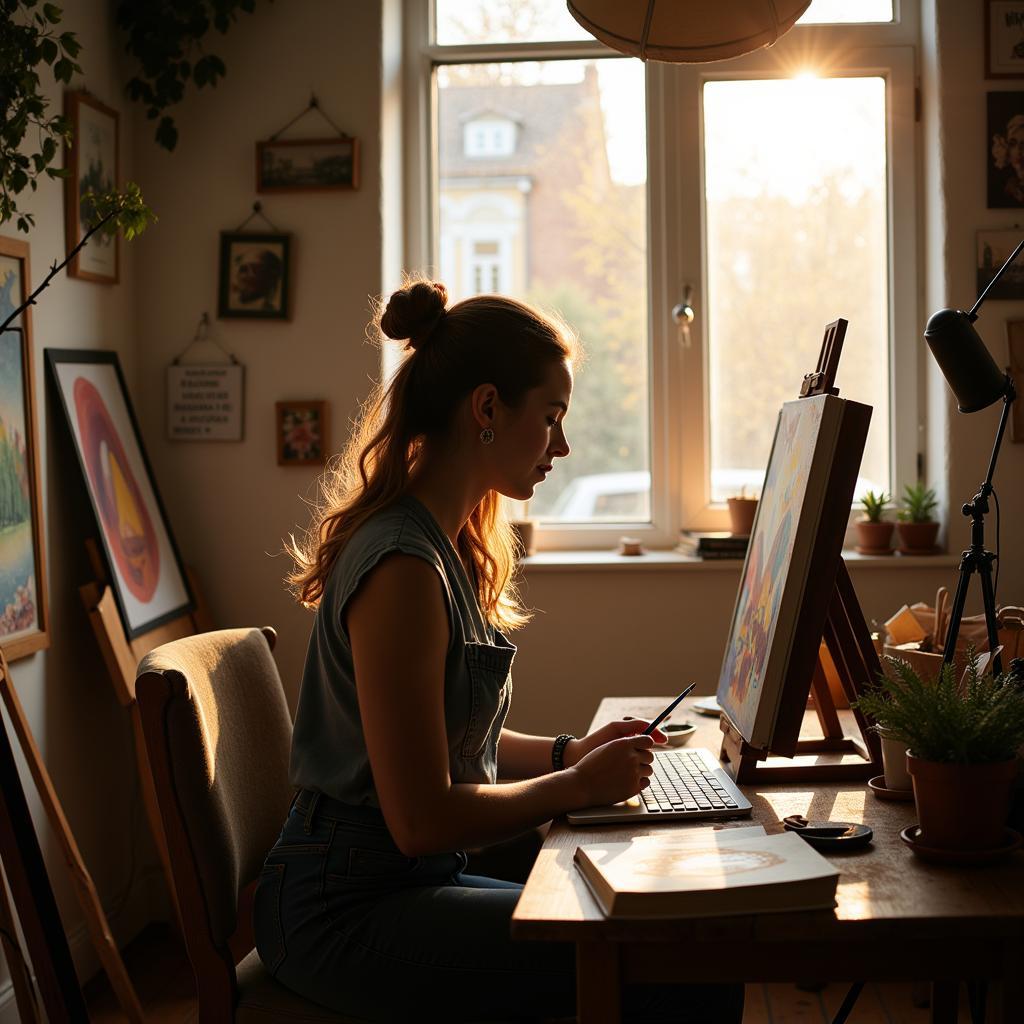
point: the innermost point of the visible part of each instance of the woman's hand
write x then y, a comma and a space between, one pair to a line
576, 750
615, 770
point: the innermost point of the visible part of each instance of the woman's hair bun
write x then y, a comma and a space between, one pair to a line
414, 311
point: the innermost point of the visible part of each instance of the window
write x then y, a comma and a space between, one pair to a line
778, 188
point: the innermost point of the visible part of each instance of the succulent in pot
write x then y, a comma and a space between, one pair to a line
917, 526
874, 534
962, 740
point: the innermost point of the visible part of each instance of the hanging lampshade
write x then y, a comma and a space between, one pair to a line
687, 31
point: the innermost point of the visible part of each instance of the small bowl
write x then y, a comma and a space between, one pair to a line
678, 733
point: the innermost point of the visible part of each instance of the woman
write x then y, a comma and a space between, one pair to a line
364, 904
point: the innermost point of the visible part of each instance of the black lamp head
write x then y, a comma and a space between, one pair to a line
965, 362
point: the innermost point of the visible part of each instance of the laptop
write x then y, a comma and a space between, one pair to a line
687, 783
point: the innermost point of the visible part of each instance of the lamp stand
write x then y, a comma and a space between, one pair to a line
976, 559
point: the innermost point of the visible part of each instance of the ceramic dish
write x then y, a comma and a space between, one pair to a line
707, 706
1011, 840
878, 787
678, 733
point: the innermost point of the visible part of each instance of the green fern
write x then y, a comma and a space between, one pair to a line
980, 720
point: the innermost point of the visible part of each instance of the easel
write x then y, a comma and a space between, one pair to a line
836, 757
121, 657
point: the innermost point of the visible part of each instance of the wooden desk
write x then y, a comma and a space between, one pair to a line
898, 918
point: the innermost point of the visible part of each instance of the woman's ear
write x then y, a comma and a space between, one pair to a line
483, 402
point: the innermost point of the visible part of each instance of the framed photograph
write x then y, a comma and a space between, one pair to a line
23, 607
790, 569
1005, 150
1004, 39
91, 158
301, 433
307, 165
254, 274
1015, 342
993, 250
205, 401
146, 572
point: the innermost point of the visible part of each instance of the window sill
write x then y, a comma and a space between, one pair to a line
672, 561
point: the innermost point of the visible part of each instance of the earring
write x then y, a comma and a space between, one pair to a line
486, 436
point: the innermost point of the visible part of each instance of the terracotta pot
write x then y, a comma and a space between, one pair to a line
917, 538
874, 538
741, 515
962, 806
523, 530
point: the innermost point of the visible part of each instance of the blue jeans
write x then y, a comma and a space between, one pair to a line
344, 918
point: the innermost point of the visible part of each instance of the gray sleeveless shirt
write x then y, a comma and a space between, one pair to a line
328, 749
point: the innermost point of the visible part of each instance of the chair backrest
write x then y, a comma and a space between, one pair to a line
218, 732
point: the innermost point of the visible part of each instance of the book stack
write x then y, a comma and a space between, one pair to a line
707, 872
718, 544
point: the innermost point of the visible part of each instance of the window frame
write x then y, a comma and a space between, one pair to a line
677, 384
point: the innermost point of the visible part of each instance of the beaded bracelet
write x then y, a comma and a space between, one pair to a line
558, 750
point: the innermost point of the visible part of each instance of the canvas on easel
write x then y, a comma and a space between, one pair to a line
795, 593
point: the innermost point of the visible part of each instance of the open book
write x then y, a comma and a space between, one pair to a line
707, 873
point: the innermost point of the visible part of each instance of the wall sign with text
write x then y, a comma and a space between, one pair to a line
205, 401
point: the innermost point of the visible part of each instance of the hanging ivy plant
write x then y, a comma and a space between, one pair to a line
166, 38
28, 39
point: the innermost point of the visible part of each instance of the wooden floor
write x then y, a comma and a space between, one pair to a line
163, 980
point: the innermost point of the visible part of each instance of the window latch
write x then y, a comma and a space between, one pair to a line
683, 314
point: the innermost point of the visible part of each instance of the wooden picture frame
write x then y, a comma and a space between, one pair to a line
308, 165
992, 250
1004, 150
790, 569
24, 609
91, 157
255, 272
1015, 344
301, 432
146, 571
1004, 39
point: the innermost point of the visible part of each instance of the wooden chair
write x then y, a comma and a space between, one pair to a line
217, 732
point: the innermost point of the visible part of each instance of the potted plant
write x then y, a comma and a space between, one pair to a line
874, 534
741, 514
962, 741
917, 527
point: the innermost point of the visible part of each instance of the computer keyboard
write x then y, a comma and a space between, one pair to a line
684, 781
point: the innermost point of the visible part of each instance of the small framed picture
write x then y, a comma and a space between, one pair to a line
307, 165
1006, 150
91, 159
254, 273
146, 571
994, 248
301, 433
1004, 39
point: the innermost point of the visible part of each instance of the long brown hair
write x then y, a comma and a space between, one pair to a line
485, 339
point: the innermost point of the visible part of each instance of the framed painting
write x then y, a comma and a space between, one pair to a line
146, 571
301, 433
790, 568
91, 159
307, 165
23, 607
993, 248
1004, 39
254, 274
1005, 150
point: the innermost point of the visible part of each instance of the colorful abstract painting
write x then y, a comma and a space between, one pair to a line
774, 573
148, 579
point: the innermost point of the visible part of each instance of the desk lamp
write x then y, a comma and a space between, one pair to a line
977, 382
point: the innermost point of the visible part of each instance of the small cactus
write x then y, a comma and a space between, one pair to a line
874, 505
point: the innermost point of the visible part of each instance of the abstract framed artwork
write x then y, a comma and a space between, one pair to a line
23, 605
307, 165
301, 433
146, 571
791, 563
1004, 39
91, 159
254, 275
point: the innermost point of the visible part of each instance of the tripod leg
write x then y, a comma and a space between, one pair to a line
988, 596
959, 599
